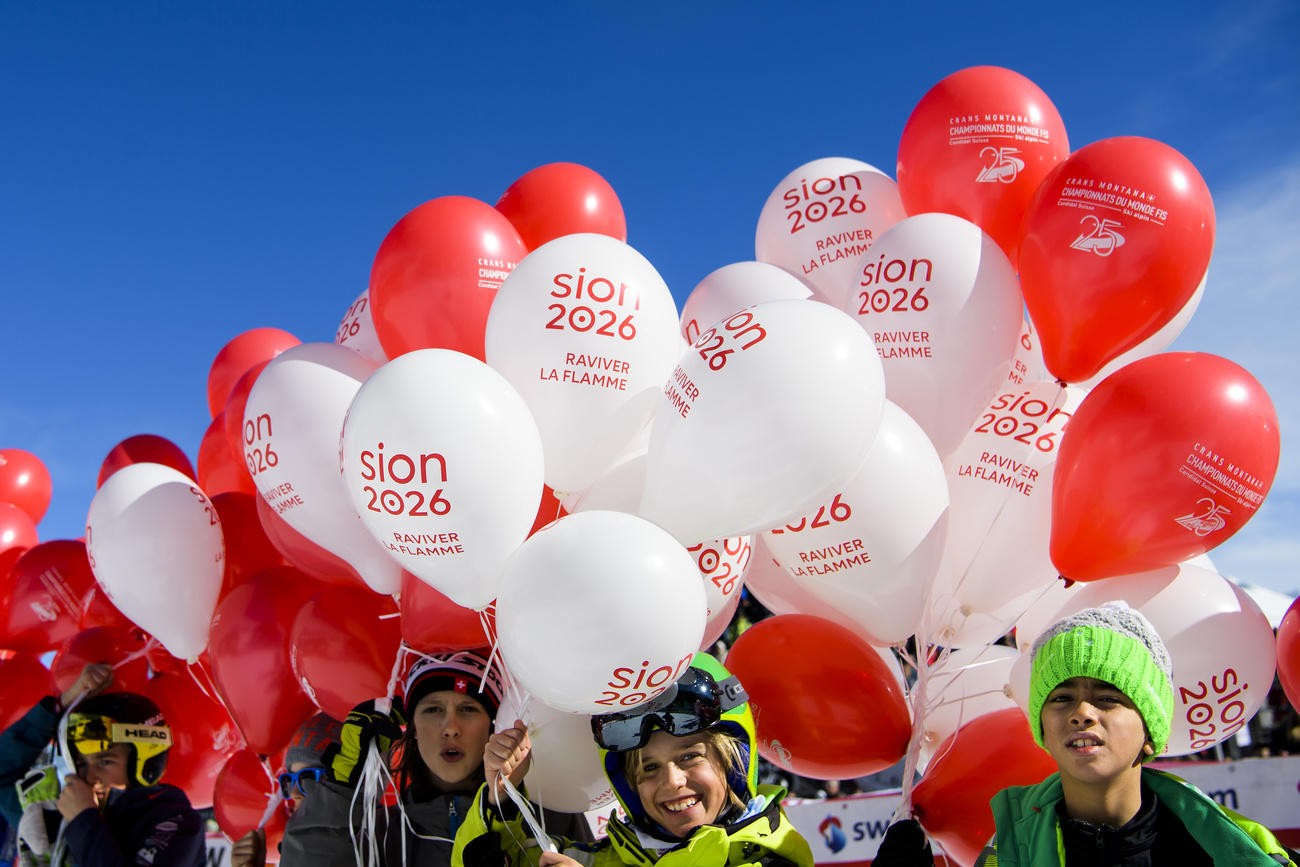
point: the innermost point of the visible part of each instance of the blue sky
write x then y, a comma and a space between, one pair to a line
175, 175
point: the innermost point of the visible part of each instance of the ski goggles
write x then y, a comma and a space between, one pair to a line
692, 704
300, 781
96, 734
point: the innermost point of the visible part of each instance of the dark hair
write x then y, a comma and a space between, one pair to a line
413, 774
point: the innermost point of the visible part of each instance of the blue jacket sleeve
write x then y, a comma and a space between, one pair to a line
173, 841
20, 746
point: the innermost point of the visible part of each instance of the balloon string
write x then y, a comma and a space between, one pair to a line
926, 664
133, 656
65, 751
273, 799
384, 703
495, 658
525, 810
1057, 402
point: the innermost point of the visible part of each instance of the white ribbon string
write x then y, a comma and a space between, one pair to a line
273, 800
526, 810
132, 657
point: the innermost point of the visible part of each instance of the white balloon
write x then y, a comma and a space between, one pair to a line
1221, 644
357, 330
872, 550
566, 773
722, 564
776, 591
598, 612
619, 487
291, 432
1027, 364
943, 305
718, 621
822, 218
443, 462
769, 414
996, 561
734, 287
586, 330
155, 546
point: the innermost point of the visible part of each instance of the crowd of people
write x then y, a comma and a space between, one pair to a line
683, 767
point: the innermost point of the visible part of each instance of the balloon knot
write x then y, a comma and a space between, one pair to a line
1069, 582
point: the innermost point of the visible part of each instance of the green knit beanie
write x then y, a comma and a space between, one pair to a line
1113, 643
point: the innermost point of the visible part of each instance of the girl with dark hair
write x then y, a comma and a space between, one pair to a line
448, 704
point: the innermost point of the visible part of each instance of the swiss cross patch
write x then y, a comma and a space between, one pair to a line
462, 685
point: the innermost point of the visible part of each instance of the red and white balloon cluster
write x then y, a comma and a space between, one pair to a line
1069, 445
514, 435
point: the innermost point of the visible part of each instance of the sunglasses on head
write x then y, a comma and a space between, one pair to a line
299, 780
692, 704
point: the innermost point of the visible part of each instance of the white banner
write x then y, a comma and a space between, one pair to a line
847, 831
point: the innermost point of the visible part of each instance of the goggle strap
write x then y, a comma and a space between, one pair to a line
733, 694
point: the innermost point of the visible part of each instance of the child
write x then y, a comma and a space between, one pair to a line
304, 768
114, 810
1101, 703
683, 768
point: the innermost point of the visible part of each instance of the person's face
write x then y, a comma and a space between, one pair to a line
105, 770
681, 784
1093, 731
296, 797
451, 730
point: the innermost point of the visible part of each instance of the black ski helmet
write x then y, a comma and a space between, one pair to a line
123, 718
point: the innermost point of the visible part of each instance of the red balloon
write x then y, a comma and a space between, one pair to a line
240, 797
305, 554
25, 482
242, 352
219, 472
233, 415
203, 734
436, 273
98, 610
17, 532
562, 199
248, 550
23, 682
432, 623
144, 449
1116, 241
980, 759
40, 600
107, 646
248, 647
1288, 653
977, 145
825, 704
343, 644
1164, 460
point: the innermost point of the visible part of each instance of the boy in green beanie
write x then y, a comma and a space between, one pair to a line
1101, 703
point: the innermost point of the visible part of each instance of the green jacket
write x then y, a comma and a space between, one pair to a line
1029, 835
767, 838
